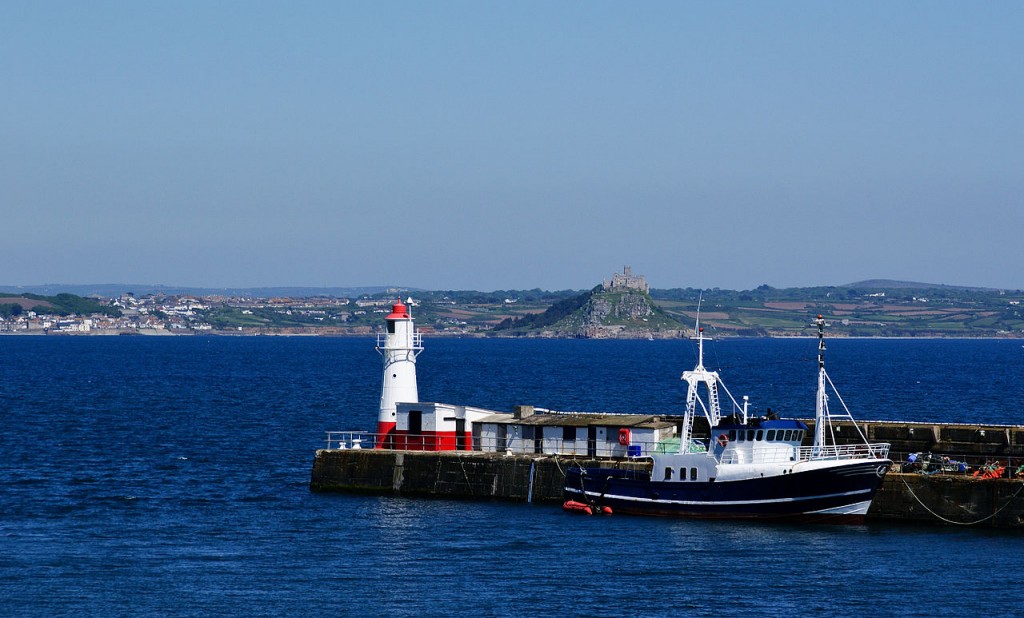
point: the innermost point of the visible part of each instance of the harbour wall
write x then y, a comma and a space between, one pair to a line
448, 474
912, 498
971, 443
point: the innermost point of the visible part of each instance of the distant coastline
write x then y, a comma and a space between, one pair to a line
442, 335
611, 310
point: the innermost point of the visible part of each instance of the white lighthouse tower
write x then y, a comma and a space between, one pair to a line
399, 346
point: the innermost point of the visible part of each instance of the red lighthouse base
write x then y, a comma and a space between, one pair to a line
385, 437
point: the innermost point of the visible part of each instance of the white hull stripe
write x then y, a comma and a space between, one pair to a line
857, 508
599, 495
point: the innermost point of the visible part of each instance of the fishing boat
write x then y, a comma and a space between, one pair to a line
749, 467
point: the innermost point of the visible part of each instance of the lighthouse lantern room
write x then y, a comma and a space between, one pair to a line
399, 345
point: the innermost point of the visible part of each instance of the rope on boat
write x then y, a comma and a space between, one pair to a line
961, 523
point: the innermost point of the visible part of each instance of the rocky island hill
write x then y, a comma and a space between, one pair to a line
624, 306
620, 308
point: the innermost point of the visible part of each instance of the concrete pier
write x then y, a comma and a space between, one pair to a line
934, 499
447, 474
950, 499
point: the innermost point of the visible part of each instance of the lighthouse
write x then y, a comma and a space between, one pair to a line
399, 346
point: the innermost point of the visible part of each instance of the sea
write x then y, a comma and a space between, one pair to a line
169, 476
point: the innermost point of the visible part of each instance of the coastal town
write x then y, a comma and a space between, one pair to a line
623, 306
153, 314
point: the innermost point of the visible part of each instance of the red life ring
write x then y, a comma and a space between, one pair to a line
723, 440
624, 437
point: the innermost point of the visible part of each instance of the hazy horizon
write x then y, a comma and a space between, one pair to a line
366, 289
466, 146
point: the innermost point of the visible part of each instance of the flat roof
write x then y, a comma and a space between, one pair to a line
643, 421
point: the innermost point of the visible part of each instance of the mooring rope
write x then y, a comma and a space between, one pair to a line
960, 523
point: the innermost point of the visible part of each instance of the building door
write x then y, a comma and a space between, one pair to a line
502, 438
415, 437
460, 434
591, 441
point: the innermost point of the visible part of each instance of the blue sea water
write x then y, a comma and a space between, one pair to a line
169, 477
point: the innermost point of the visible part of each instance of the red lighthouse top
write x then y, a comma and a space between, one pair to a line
399, 311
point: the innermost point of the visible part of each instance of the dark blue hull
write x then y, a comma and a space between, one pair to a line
838, 494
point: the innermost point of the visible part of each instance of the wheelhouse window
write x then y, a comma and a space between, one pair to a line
668, 473
568, 434
693, 474
760, 435
771, 435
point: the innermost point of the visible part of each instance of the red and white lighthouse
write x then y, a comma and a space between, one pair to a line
399, 345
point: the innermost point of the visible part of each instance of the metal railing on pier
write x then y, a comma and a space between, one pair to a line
924, 463
342, 440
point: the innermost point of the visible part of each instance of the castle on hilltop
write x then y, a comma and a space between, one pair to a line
626, 281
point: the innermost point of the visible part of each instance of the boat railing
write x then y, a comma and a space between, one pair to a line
843, 451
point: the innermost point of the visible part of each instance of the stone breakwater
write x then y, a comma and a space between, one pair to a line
939, 498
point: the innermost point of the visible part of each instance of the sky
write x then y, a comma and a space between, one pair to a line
511, 145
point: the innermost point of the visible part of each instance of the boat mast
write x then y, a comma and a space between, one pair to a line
694, 378
821, 404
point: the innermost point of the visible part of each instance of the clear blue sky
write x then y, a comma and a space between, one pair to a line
487, 145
